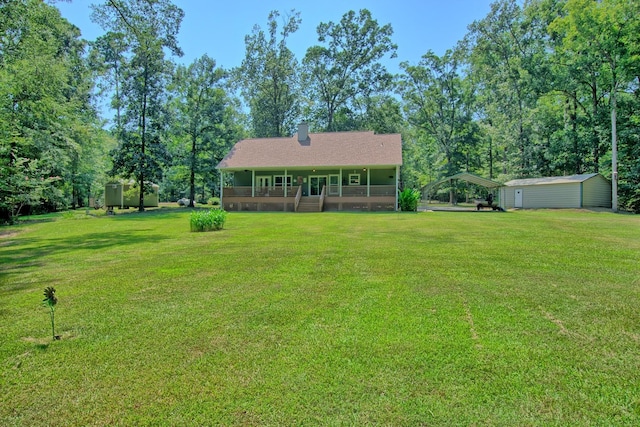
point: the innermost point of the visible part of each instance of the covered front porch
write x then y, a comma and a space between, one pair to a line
315, 190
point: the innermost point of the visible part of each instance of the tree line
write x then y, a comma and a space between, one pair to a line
540, 88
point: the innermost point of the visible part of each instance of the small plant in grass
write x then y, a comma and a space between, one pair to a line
50, 300
408, 199
208, 220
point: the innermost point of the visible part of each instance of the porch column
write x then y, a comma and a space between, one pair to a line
397, 184
221, 188
284, 184
340, 184
253, 183
368, 182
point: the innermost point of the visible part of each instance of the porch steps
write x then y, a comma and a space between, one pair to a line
308, 204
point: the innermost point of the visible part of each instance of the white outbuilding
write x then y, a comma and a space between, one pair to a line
574, 191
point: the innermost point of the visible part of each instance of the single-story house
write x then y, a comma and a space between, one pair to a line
574, 191
312, 172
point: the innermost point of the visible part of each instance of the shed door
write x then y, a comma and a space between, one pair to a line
518, 198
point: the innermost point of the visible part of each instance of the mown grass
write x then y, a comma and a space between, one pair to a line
521, 318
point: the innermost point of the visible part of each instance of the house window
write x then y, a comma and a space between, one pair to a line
280, 180
354, 179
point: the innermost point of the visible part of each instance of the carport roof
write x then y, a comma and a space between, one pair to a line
469, 177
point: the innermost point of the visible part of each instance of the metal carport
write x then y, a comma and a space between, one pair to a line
464, 176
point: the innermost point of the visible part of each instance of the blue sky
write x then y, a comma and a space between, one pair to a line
218, 28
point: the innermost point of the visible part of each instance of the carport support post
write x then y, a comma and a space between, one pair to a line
451, 192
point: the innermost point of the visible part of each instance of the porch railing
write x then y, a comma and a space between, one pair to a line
259, 191
322, 196
374, 190
298, 197
347, 191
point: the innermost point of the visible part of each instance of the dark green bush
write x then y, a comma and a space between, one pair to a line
408, 199
208, 220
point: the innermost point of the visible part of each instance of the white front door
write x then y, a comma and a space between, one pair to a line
518, 198
315, 184
334, 185
264, 181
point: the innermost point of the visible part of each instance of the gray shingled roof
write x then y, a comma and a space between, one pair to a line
550, 180
334, 149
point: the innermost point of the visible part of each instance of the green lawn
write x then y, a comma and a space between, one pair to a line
518, 318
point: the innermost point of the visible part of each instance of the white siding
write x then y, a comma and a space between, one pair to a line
596, 192
551, 196
507, 197
545, 196
576, 191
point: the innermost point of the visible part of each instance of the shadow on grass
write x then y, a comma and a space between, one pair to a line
25, 252
32, 253
29, 251
34, 220
122, 214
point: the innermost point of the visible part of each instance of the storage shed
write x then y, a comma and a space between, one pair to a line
125, 195
574, 191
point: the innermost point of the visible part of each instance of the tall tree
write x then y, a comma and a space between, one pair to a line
199, 114
348, 67
46, 116
419, 158
382, 114
268, 77
109, 60
601, 36
506, 57
577, 76
440, 104
148, 27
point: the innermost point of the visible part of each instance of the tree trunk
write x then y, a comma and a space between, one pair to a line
490, 157
192, 176
143, 139
614, 152
594, 129
574, 135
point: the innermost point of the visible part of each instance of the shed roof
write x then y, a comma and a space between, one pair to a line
341, 149
551, 180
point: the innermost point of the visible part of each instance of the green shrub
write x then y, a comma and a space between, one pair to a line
408, 199
214, 201
208, 220
78, 214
